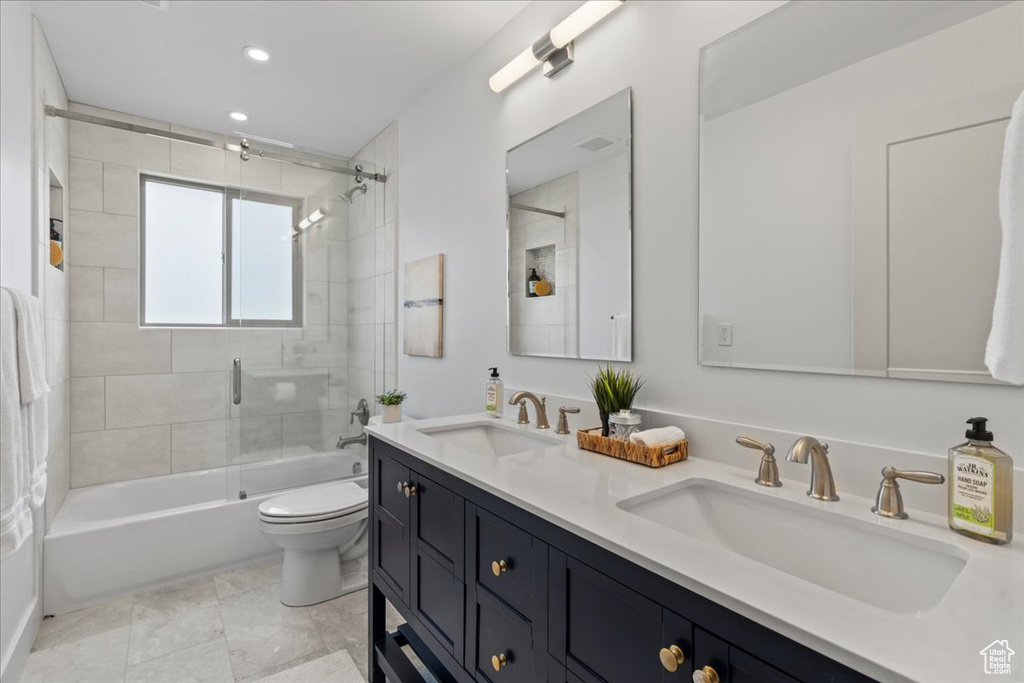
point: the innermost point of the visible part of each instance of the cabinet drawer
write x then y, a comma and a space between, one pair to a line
390, 482
438, 523
732, 664
517, 556
439, 599
501, 632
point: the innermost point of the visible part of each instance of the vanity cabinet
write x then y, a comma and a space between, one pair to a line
493, 593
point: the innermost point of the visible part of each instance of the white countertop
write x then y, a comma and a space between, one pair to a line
579, 490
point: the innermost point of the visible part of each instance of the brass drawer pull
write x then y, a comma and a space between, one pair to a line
671, 658
706, 675
410, 491
499, 661
499, 568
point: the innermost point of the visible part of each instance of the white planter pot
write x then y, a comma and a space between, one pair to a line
392, 414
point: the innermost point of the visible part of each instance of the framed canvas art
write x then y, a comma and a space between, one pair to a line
424, 307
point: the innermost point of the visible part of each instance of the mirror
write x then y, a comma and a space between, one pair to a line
570, 286
849, 182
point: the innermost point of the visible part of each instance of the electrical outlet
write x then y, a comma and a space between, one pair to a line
725, 334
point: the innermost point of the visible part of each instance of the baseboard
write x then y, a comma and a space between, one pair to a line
14, 659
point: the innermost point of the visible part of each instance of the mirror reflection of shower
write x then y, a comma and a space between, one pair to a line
350, 195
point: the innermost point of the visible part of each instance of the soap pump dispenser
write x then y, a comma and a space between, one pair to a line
981, 487
495, 393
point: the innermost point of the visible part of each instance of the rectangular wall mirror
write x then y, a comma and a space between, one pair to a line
570, 284
849, 181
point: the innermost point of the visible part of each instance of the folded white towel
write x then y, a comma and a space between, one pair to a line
15, 496
31, 346
1004, 353
661, 436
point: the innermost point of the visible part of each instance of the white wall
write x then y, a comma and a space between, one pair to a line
603, 248
452, 152
18, 573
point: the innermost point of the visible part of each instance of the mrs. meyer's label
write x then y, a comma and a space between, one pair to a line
973, 494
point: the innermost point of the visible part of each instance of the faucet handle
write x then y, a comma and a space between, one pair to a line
563, 421
524, 417
768, 472
889, 500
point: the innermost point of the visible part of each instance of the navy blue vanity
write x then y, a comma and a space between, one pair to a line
490, 592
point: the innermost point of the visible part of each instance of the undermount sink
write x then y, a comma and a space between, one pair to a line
891, 570
491, 438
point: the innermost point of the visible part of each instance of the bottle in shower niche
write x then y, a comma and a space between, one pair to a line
531, 282
981, 487
495, 393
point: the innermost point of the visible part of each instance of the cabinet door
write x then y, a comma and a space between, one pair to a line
437, 523
606, 632
438, 599
390, 520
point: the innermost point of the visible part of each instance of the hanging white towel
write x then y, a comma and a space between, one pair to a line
1004, 353
15, 497
622, 337
31, 346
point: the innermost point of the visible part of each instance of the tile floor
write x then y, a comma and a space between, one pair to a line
227, 628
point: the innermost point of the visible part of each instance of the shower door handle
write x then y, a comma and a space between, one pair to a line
236, 381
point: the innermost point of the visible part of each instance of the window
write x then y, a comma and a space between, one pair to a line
215, 257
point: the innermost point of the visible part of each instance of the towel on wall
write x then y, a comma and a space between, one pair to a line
622, 337
1004, 353
23, 416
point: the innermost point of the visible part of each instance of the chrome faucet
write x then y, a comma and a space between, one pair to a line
823, 486
362, 413
349, 440
539, 404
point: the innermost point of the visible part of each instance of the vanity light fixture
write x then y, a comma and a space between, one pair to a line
554, 50
256, 54
238, 116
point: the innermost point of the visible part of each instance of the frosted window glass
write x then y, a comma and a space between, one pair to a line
261, 266
184, 246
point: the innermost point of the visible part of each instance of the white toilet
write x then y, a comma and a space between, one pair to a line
314, 526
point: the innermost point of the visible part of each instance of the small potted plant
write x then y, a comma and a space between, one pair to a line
613, 391
392, 403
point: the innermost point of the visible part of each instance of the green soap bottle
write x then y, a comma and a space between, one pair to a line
981, 487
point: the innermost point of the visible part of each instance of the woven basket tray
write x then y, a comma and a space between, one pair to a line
656, 456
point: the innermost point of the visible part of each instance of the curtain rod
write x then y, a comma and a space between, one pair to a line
244, 148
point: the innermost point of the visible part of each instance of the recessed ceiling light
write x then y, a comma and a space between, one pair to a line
238, 116
257, 54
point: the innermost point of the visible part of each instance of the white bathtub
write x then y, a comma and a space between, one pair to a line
116, 539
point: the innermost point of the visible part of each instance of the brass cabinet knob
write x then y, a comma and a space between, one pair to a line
498, 568
401, 486
671, 658
706, 675
410, 491
498, 661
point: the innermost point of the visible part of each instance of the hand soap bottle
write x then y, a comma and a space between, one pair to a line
981, 487
495, 393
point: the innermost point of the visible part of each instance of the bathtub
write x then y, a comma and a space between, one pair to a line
115, 539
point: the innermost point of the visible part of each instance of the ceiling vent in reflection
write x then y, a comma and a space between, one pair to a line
595, 142
163, 5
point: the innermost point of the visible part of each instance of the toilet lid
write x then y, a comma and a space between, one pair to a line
336, 499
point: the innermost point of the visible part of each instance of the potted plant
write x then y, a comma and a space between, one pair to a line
613, 391
392, 403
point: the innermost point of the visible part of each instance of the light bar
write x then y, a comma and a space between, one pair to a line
554, 49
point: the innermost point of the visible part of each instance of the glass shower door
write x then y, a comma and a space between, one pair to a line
288, 298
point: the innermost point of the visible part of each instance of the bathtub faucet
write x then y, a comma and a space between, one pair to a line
347, 441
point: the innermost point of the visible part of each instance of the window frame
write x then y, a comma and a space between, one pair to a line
228, 194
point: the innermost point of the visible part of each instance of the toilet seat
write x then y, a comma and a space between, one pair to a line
317, 504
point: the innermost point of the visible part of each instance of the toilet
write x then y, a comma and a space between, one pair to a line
318, 527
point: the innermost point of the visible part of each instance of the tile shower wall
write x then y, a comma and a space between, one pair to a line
146, 402
51, 169
373, 261
545, 325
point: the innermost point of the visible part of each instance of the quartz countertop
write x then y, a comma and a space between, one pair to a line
580, 491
